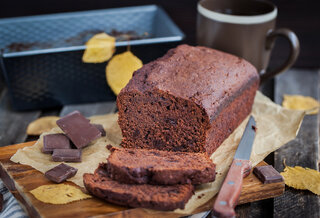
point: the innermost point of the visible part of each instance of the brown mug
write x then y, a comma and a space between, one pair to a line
245, 28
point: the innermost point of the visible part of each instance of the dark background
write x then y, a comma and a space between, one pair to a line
301, 16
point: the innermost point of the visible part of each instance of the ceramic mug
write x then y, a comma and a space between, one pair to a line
245, 28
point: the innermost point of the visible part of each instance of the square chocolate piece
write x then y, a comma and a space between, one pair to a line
55, 141
61, 173
267, 174
101, 129
67, 155
78, 129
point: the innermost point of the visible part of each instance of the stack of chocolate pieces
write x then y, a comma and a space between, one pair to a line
162, 180
66, 147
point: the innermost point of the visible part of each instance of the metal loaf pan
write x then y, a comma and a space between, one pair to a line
41, 55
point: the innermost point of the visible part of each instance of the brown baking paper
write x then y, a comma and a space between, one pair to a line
275, 127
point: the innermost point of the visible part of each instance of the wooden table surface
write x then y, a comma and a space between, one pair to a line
302, 151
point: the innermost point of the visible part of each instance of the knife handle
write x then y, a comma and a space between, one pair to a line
230, 191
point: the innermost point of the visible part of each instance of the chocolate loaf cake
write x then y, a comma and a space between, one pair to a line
189, 100
146, 196
142, 166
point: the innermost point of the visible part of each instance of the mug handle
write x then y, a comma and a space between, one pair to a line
294, 50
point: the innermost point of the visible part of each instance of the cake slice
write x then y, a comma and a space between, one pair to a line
145, 195
189, 100
144, 166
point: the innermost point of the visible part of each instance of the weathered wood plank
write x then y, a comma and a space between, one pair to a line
90, 109
13, 124
2, 85
302, 151
267, 88
243, 210
263, 208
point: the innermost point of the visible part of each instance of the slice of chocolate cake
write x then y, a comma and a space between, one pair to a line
145, 196
144, 166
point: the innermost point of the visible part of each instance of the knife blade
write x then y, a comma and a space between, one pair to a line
230, 190
245, 145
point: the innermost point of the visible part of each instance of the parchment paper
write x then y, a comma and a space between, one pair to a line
275, 127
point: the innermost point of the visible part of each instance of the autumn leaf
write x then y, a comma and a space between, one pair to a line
120, 69
99, 48
299, 102
41, 125
58, 194
302, 178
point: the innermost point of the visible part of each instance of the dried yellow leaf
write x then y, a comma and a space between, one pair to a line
59, 194
302, 178
120, 69
41, 125
100, 48
299, 102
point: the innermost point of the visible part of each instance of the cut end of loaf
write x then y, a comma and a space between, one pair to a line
161, 121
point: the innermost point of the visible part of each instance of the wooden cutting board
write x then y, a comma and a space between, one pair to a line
20, 179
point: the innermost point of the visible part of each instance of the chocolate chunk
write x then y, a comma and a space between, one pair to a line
110, 147
67, 155
55, 141
101, 129
267, 174
61, 173
1, 202
78, 129
254, 128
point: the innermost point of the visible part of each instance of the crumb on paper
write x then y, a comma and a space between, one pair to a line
254, 128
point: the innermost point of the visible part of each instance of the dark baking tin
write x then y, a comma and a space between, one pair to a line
48, 71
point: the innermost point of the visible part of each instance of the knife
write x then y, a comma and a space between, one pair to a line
230, 191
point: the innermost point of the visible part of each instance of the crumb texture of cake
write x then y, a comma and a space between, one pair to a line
189, 100
144, 195
144, 166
